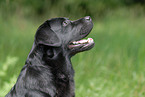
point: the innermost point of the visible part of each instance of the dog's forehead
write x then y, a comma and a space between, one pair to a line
56, 23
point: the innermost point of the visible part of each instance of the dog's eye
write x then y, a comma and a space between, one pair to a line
65, 23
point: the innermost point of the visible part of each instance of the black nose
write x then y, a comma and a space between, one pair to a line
88, 18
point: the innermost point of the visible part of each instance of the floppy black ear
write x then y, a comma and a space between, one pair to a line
46, 36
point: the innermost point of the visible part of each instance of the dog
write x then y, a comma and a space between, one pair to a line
48, 71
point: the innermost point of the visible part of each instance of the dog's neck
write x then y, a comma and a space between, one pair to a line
36, 57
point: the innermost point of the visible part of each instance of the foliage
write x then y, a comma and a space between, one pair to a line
71, 8
5, 85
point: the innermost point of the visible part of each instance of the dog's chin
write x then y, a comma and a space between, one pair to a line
81, 45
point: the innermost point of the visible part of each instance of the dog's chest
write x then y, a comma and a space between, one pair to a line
65, 85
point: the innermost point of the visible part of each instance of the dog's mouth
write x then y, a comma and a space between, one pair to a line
82, 45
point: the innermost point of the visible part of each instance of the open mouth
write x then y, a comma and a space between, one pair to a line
83, 44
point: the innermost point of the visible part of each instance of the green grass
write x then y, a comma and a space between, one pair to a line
115, 67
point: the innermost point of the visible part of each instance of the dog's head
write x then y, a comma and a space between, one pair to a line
66, 34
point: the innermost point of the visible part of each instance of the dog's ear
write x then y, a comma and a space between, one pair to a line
46, 36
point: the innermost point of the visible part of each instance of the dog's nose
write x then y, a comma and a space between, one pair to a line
88, 18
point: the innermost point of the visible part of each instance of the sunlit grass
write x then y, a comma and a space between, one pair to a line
115, 67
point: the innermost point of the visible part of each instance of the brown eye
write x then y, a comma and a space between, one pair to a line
65, 23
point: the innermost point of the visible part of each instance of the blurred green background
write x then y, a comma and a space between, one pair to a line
115, 67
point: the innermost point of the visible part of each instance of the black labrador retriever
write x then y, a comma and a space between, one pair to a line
48, 71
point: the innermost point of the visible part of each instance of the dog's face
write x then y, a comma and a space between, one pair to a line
66, 34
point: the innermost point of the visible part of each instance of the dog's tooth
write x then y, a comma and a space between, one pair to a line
75, 42
83, 41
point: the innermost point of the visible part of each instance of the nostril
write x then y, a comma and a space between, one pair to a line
88, 18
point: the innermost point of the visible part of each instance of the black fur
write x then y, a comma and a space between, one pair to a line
48, 70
